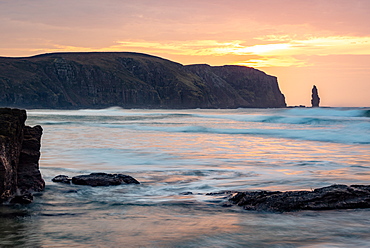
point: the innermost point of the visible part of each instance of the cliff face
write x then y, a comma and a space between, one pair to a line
239, 86
19, 156
98, 80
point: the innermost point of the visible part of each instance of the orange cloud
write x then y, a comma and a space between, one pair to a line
299, 41
288, 52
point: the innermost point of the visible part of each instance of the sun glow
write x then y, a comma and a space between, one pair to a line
263, 49
261, 52
289, 52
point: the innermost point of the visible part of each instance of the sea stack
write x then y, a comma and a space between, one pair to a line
315, 101
19, 157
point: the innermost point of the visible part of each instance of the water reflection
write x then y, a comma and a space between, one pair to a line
17, 228
172, 224
172, 154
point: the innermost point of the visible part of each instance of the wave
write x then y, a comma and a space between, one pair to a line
342, 125
60, 123
305, 116
283, 119
338, 112
106, 116
356, 134
113, 112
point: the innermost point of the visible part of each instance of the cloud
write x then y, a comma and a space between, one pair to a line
274, 54
265, 32
299, 41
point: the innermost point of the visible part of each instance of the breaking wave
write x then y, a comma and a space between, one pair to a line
340, 125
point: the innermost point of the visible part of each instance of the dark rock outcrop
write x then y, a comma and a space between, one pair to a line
62, 179
131, 80
97, 179
332, 197
19, 157
29, 176
315, 100
11, 138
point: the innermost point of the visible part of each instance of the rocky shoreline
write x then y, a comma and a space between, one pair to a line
20, 177
326, 198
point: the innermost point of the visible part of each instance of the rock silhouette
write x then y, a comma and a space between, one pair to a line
131, 80
315, 100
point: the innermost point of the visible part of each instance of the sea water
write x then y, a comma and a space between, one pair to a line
181, 155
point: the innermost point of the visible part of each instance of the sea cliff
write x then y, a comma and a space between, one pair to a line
131, 80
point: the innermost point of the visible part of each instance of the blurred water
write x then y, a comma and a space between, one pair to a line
174, 152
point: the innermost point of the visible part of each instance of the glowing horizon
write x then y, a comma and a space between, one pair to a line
302, 48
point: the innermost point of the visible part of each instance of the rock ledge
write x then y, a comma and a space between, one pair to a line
331, 197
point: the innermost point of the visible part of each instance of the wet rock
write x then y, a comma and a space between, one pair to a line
97, 179
315, 101
62, 179
227, 192
332, 197
22, 199
19, 157
11, 137
29, 175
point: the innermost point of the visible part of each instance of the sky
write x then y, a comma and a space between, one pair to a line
302, 42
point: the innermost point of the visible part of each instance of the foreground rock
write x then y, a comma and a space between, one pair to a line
332, 197
62, 179
19, 157
29, 176
97, 179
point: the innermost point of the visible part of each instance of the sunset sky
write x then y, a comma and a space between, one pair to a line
302, 42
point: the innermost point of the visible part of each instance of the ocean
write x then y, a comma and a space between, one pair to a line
181, 155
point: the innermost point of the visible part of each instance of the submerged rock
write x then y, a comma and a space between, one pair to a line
97, 179
332, 197
22, 199
19, 157
186, 193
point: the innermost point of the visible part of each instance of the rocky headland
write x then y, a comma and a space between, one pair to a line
131, 80
19, 157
